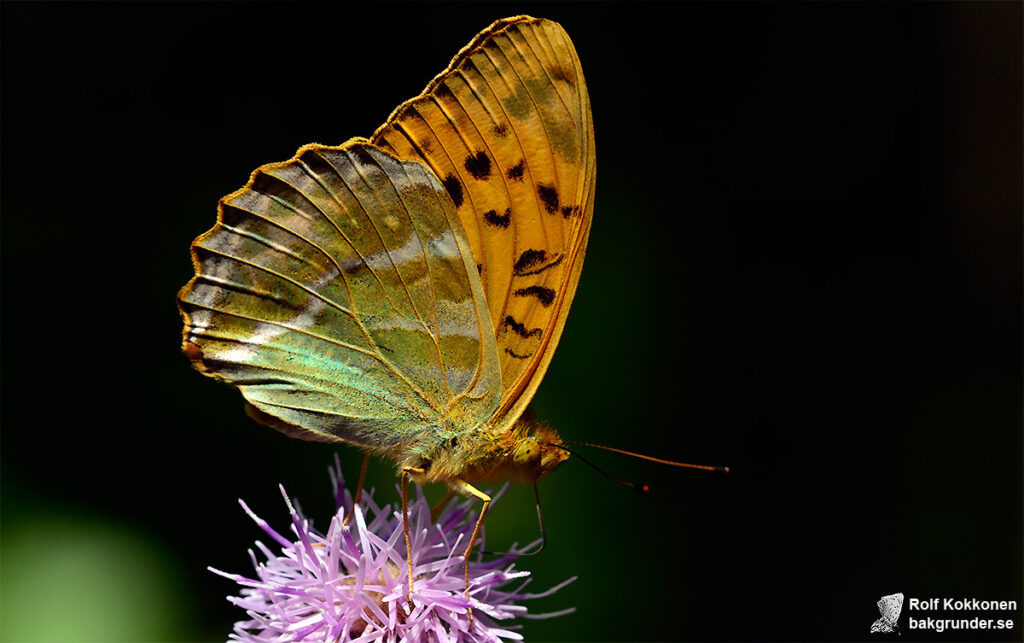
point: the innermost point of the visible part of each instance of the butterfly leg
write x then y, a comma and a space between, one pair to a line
359, 489
469, 489
405, 523
439, 506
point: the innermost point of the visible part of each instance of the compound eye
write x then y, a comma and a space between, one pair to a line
527, 453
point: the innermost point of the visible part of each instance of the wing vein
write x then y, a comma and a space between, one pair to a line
324, 338
436, 335
313, 175
359, 170
374, 353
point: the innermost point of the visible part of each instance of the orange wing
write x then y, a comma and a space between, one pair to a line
507, 129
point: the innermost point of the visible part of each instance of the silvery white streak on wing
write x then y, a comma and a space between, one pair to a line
266, 333
199, 319
391, 170
273, 247
451, 322
215, 267
442, 245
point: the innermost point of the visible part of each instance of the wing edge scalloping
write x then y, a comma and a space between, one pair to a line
494, 28
195, 353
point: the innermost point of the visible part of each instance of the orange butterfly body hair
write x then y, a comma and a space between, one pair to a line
524, 454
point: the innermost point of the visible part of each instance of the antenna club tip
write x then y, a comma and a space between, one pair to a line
642, 488
724, 469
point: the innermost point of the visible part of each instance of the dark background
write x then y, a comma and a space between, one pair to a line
805, 263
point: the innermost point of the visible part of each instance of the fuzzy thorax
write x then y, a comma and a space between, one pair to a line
524, 454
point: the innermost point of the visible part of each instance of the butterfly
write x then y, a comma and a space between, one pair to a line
405, 293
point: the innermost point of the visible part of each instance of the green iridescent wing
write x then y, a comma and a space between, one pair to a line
338, 292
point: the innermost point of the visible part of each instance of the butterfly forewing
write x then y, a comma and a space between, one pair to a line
507, 129
338, 292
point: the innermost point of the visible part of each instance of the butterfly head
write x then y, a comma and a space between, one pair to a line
535, 451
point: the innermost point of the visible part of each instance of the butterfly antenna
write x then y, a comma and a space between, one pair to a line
543, 533
671, 463
642, 488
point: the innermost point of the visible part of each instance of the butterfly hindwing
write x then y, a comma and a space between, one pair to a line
508, 131
339, 293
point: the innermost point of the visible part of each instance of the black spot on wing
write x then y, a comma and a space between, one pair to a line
454, 187
517, 355
570, 210
533, 261
530, 258
500, 220
545, 295
501, 130
548, 196
515, 173
521, 330
478, 165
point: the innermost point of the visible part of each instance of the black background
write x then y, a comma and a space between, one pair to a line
805, 263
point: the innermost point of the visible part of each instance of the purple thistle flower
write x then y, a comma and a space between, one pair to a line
350, 584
